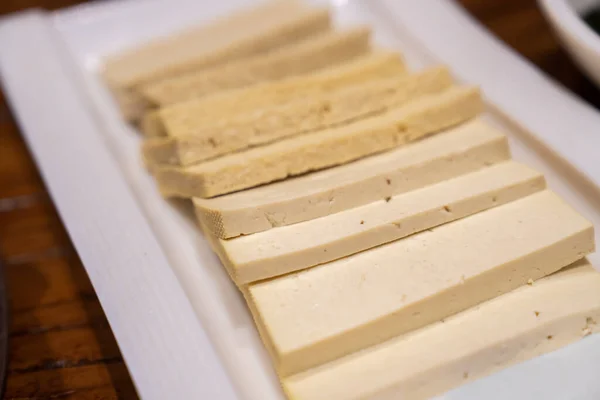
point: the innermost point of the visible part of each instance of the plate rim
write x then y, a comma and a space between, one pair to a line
48, 121
34, 29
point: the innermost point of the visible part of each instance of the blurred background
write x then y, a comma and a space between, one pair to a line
61, 346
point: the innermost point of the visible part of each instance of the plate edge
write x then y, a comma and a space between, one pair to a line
26, 37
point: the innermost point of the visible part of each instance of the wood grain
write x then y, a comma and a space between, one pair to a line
58, 316
521, 25
61, 344
71, 382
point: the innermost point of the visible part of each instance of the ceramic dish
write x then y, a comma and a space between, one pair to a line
578, 38
182, 326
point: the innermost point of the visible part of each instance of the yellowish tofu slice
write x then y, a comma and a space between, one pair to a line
311, 54
314, 316
251, 31
258, 30
299, 246
322, 149
460, 150
182, 119
258, 127
517, 326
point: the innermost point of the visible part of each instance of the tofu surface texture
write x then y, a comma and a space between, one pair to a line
463, 149
326, 312
385, 243
309, 55
327, 148
254, 31
182, 118
528, 322
262, 126
299, 246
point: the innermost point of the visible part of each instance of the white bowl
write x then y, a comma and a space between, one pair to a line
582, 43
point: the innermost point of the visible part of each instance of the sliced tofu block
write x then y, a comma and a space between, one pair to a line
259, 30
182, 119
509, 329
267, 26
255, 128
458, 151
299, 246
322, 149
310, 317
306, 56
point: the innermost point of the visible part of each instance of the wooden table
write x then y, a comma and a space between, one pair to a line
61, 346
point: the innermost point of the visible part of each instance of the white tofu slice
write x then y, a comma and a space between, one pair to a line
299, 246
458, 151
326, 312
530, 321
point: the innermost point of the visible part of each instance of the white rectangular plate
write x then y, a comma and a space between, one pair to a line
182, 326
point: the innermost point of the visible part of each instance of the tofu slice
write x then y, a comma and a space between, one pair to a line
183, 118
458, 151
305, 56
322, 149
264, 27
299, 246
258, 127
258, 30
507, 330
310, 317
